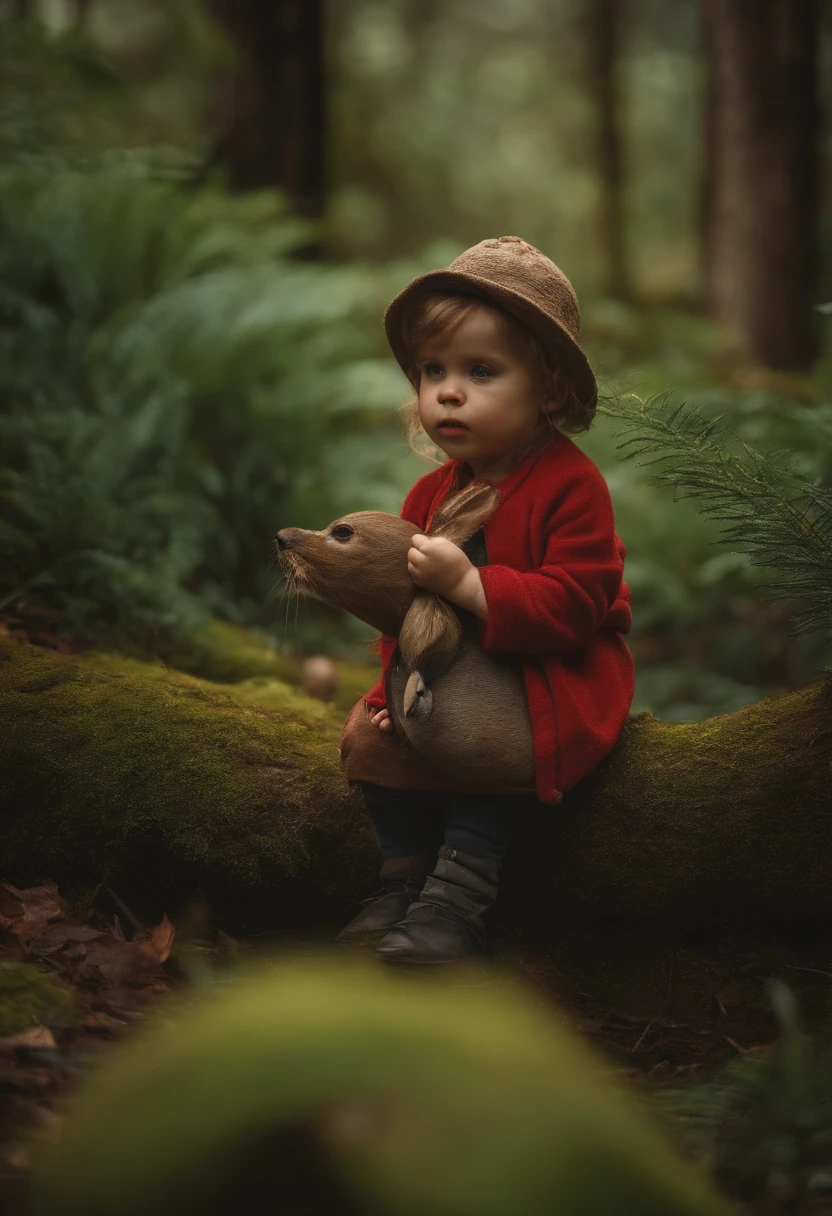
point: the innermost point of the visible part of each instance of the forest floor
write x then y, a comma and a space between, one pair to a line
662, 1009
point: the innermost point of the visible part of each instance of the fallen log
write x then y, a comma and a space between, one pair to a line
115, 768
125, 772
312, 1082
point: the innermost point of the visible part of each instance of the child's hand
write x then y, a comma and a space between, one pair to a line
438, 565
382, 720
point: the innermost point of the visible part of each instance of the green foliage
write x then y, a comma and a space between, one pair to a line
365, 1094
504, 94
176, 388
706, 636
28, 996
132, 76
764, 1125
771, 509
49, 88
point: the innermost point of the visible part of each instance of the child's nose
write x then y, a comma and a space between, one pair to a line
450, 391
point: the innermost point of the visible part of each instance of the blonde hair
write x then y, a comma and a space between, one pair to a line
443, 312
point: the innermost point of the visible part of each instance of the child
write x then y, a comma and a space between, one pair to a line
492, 347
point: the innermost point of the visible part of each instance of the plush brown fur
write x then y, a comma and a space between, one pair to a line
460, 717
430, 634
459, 516
382, 758
363, 574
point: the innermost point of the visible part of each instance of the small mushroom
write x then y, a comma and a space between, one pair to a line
320, 677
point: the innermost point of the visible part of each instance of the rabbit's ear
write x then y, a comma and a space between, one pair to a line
463, 513
430, 635
418, 698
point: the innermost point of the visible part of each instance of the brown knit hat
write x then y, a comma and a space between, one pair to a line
521, 280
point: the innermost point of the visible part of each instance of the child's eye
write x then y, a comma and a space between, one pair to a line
479, 371
433, 369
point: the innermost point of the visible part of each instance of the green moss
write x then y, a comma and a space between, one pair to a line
217, 651
110, 764
228, 654
28, 996
733, 814
105, 759
420, 1096
263, 690
273, 694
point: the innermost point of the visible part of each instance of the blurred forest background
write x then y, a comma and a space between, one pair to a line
205, 206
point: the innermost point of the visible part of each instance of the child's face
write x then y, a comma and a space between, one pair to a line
480, 396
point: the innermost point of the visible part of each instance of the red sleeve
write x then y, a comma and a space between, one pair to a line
414, 508
376, 698
562, 604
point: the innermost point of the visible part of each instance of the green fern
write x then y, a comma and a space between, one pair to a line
175, 387
764, 1125
771, 509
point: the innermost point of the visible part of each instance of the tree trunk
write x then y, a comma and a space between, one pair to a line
762, 142
171, 784
274, 130
603, 31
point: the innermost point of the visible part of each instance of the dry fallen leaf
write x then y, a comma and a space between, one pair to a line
161, 938
99, 1021
116, 962
28, 912
119, 1002
56, 936
35, 1036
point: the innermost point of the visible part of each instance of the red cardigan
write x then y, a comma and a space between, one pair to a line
556, 597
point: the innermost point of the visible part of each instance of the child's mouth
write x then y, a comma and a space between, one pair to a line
453, 428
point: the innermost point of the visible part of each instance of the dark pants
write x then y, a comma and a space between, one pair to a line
408, 821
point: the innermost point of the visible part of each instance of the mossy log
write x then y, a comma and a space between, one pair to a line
326, 1085
114, 768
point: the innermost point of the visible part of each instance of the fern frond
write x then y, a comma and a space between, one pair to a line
769, 507
174, 390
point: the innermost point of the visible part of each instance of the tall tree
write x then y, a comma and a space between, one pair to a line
603, 26
763, 127
273, 132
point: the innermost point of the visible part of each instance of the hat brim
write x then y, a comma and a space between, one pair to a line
553, 335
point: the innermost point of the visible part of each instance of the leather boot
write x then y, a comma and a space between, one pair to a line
402, 879
448, 920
